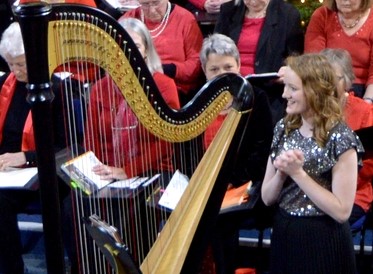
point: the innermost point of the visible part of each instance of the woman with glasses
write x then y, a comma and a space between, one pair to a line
177, 39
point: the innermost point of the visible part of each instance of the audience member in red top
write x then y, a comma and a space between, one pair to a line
177, 39
220, 55
121, 131
358, 114
266, 32
350, 27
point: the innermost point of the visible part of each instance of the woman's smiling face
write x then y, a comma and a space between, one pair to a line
294, 93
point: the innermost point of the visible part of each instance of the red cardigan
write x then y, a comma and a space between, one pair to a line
136, 150
6, 95
325, 31
180, 44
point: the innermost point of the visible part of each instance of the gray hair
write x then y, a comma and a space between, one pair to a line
11, 44
152, 58
219, 44
342, 59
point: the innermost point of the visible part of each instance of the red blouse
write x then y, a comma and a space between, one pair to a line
248, 42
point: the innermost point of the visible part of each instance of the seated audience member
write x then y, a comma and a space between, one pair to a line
177, 39
219, 55
350, 27
100, 117
17, 145
265, 32
358, 114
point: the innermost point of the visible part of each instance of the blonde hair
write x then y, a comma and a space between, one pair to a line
320, 90
152, 60
11, 44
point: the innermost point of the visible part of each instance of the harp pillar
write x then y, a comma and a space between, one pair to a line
33, 19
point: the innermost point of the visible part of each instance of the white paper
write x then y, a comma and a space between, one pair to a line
84, 163
174, 190
123, 183
17, 177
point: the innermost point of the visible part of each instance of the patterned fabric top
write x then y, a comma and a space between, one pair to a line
318, 163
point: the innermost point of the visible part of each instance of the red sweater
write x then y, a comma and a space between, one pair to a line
359, 114
6, 95
126, 142
179, 44
325, 31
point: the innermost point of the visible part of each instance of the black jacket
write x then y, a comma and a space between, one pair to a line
281, 36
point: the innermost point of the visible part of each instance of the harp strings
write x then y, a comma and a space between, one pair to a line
138, 223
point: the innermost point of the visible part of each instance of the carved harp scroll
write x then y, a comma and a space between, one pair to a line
85, 34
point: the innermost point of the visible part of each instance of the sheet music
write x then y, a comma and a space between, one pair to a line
80, 170
17, 177
174, 190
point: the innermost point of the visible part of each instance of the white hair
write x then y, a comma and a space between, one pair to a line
11, 44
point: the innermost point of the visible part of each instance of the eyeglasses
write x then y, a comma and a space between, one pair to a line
147, 5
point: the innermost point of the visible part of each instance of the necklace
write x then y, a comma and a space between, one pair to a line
354, 24
162, 25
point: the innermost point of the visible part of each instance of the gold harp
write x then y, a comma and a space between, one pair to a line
61, 35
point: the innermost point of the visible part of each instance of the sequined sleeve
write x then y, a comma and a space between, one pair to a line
342, 139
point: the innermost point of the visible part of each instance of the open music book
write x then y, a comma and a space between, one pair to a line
18, 177
80, 172
79, 169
